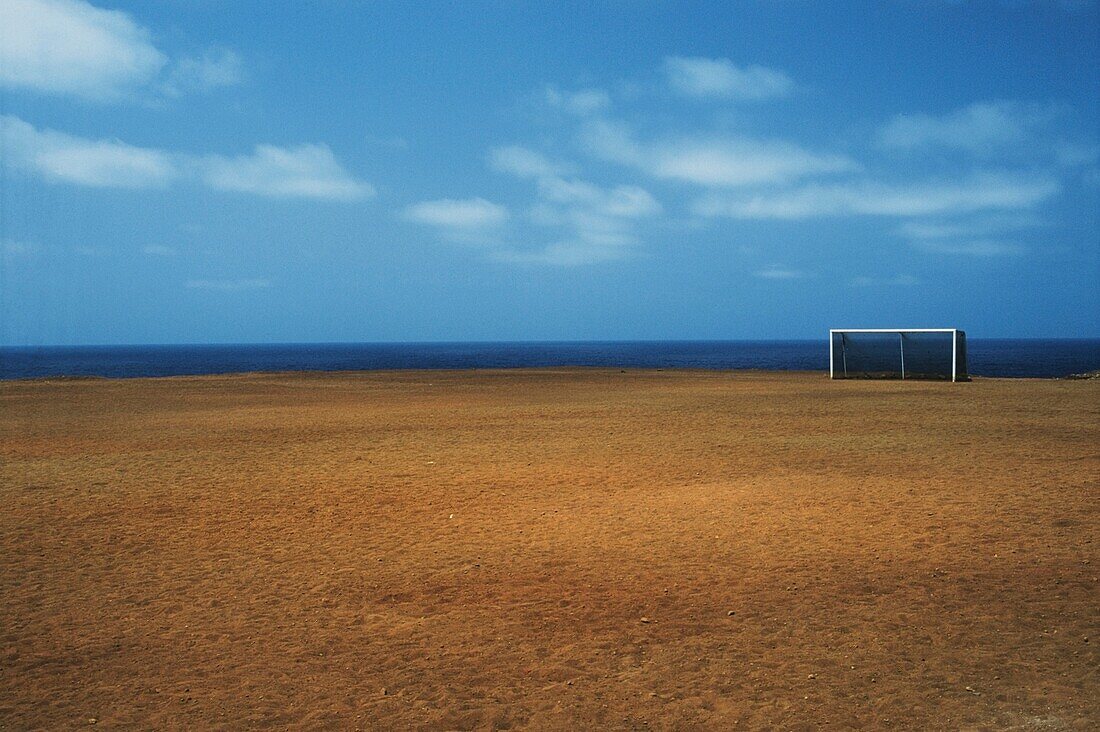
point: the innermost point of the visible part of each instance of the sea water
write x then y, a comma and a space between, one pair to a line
1019, 358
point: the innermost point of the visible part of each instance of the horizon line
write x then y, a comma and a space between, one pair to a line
823, 338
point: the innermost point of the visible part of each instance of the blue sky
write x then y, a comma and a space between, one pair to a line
191, 171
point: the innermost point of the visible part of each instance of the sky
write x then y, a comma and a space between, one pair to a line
192, 171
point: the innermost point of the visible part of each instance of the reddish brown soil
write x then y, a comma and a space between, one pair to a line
571, 549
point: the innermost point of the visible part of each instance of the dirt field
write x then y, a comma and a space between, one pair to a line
567, 549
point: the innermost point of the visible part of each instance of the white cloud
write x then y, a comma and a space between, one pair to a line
587, 224
779, 272
982, 128
71, 47
228, 285
464, 215
629, 201
902, 280
600, 224
581, 103
738, 162
213, 69
600, 231
14, 248
553, 187
612, 140
620, 201
719, 77
720, 162
524, 163
590, 101
977, 237
979, 192
971, 247
305, 171
97, 163
991, 225
934, 230
595, 224
565, 254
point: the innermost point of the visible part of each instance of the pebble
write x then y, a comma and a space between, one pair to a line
645, 620
731, 613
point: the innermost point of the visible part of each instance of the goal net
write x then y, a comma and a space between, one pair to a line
935, 353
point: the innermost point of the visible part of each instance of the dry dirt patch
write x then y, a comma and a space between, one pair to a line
479, 549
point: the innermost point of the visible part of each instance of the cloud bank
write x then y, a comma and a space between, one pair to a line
927, 169
975, 193
305, 171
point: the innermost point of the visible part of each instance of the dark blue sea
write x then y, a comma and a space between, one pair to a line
1034, 358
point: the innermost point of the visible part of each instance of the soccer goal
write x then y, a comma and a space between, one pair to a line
891, 353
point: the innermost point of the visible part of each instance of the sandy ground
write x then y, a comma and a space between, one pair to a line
566, 549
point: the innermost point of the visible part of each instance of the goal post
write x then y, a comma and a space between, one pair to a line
905, 353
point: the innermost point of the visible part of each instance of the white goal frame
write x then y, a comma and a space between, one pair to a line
957, 337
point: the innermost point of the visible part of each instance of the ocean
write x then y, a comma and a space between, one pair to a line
987, 357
